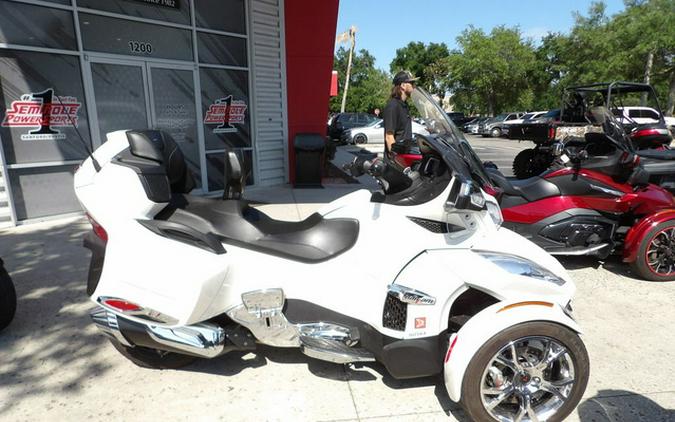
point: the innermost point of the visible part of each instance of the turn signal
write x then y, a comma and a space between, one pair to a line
453, 340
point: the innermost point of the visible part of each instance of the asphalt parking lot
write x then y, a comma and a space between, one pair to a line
55, 366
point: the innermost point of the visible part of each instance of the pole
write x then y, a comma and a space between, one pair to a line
352, 35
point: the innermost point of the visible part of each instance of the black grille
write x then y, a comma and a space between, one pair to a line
395, 313
435, 226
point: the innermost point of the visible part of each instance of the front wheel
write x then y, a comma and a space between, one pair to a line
360, 139
531, 371
152, 358
656, 254
496, 132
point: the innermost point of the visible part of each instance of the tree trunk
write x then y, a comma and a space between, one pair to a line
671, 95
647, 78
352, 34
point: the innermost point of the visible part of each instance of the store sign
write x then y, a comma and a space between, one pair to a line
174, 4
225, 112
43, 112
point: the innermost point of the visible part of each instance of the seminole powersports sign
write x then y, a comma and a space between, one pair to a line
43, 112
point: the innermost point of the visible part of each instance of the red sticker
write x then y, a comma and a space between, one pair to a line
420, 323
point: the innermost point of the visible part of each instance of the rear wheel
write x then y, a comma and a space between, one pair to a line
152, 358
7, 298
656, 254
532, 371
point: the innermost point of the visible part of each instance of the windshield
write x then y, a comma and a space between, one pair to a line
601, 116
451, 145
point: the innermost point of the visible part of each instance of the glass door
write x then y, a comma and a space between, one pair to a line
174, 109
120, 96
139, 94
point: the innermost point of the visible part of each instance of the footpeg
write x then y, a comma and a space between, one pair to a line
333, 350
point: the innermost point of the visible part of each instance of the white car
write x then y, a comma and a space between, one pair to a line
527, 116
374, 133
644, 115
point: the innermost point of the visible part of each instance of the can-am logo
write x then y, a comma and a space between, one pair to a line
225, 112
40, 111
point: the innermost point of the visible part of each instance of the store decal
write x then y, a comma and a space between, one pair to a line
225, 112
44, 112
174, 4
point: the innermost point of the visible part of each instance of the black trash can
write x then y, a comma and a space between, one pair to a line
309, 149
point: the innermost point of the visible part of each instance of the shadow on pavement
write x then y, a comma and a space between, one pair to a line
613, 264
49, 347
621, 405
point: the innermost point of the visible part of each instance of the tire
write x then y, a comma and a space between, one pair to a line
641, 266
530, 162
360, 139
153, 359
7, 298
495, 132
477, 371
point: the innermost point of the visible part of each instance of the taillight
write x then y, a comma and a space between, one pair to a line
98, 229
133, 310
551, 133
121, 305
649, 132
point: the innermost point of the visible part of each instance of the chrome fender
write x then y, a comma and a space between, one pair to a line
486, 324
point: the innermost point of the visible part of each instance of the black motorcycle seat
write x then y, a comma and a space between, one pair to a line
235, 222
664, 154
532, 189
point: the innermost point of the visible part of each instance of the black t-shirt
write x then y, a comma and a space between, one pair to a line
396, 117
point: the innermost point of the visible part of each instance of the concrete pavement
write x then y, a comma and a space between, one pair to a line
55, 366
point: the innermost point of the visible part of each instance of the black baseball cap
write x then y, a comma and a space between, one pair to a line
404, 76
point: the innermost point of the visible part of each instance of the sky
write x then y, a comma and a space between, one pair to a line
385, 25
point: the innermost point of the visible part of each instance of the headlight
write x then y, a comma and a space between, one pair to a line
521, 266
495, 213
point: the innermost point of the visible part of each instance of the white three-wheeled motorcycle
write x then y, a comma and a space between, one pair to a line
423, 280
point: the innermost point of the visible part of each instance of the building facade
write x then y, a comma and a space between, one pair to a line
212, 73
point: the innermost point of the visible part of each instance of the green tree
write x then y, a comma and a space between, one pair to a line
490, 73
426, 62
369, 87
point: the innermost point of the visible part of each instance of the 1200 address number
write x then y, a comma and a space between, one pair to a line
140, 47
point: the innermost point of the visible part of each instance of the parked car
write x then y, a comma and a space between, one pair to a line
498, 125
374, 133
532, 115
7, 297
344, 121
642, 116
458, 118
472, 126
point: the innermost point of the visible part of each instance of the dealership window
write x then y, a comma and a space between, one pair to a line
221, 15
225, 107
43, 191
29, 80
176, 11
221, 49
25, 24
120, 36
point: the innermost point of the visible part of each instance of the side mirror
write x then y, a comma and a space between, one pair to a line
466, 196
557, 149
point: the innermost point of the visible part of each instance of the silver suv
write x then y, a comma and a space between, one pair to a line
497, 126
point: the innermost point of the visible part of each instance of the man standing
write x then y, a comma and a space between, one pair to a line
396, 115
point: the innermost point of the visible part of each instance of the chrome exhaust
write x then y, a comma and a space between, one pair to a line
203, 340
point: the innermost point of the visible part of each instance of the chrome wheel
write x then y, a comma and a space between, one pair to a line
661, 252
529, 379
